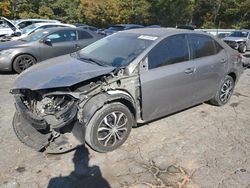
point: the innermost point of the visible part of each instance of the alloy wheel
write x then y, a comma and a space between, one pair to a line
226, 91
112, 129
25, 62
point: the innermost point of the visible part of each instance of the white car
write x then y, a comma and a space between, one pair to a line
7, 27
38, 26
22, 23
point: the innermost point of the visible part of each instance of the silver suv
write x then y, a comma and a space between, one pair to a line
100, 92
239, 40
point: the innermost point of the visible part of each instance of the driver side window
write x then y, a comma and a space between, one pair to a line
171, 50
62, 36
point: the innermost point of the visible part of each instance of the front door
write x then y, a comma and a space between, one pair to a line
167, 85
58, 43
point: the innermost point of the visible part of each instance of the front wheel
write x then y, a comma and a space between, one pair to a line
109, 128
224, 93
22, 62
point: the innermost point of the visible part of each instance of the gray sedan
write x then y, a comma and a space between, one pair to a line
21, 54
99, 93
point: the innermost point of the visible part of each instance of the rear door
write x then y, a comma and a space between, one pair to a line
84, 39
62, 42
210, 60
167, 85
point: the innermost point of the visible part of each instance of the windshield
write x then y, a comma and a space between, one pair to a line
239, 34
117, 50
36, 36
28, 29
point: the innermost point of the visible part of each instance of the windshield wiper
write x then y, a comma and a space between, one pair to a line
92, 61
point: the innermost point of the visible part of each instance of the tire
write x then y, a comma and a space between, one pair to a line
22, 62
224, 93
101, 134
242, 48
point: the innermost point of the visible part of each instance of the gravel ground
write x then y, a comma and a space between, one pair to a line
204, 146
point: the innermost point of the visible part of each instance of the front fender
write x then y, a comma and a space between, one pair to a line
98, 101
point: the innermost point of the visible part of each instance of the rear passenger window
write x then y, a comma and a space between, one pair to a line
203, 46
84, 35
173, 49
218, 47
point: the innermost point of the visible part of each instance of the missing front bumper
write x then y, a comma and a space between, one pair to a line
45, 142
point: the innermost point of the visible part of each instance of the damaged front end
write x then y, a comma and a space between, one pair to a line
45, 121
54, 120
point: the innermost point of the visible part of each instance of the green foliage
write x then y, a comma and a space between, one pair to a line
5, 8
171, 13
102, 13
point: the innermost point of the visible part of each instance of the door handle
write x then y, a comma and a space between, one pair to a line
189, 70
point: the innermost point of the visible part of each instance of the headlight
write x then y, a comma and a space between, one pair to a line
5, 52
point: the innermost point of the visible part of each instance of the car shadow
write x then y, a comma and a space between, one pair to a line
82, 176
7, 73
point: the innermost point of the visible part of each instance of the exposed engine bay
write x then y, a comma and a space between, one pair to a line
54, 120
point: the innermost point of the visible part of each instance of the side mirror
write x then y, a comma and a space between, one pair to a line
47, 42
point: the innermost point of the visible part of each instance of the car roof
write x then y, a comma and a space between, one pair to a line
127, 25
45, 23
47, 20
54, 29
159, 32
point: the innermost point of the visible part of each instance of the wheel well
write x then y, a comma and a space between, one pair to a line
233, 75
128, 104
18, 56
98, 101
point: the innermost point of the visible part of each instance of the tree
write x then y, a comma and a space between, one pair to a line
171, 13
5, 8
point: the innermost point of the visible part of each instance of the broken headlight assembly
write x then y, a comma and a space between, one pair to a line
46, 120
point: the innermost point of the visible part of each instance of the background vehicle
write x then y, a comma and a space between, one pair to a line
105, 89
222, 35
7, 27
21, 54
188, 27
20, 24
87, 27
38, 26
121, 27
153, 26
239, 40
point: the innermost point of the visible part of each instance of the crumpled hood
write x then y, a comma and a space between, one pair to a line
234, 39
62, 71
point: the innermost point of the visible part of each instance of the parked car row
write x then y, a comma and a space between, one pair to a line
35, 40
99, 93
20, 54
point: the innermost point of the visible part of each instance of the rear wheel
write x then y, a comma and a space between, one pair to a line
109, 128
224, 93
23, 62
